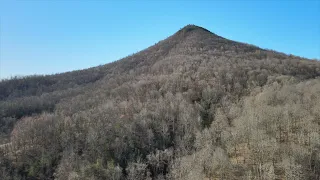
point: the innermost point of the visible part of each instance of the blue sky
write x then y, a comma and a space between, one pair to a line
45, 37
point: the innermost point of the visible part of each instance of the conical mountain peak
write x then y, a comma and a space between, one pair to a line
192, 27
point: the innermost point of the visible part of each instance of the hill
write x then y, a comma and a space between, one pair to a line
193, 106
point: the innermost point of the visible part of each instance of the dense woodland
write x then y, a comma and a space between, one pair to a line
193, 106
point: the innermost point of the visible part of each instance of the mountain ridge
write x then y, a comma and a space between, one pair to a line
190, 36
193, 106
183, 30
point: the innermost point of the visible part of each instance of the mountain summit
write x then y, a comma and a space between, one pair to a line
191, 27
193, 106
190, 40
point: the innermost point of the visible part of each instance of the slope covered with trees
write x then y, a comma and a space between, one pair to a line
193, 106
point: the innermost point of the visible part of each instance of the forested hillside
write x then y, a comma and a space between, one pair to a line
193, 106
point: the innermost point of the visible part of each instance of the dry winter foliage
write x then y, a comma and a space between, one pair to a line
193, 106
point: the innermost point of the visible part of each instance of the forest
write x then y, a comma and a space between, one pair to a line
195, 106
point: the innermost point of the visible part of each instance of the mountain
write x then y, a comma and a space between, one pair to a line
193, 106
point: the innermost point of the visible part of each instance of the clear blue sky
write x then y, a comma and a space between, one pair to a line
50, 36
